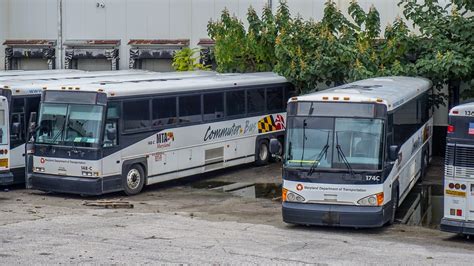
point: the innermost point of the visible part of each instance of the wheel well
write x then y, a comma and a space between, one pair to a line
140, 162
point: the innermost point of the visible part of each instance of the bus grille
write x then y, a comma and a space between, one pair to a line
459, 161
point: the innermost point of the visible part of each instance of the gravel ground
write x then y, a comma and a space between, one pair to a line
178, 223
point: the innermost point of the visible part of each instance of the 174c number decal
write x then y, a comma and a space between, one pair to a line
372, 178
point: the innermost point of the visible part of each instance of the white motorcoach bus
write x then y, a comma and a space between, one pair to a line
117, 137
459, 172
353, 152
24, 95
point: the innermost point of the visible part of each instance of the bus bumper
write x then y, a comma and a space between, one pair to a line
74, 185
457, 227
336, 215
6, 178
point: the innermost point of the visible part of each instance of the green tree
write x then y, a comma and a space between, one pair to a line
187, 60
446, 43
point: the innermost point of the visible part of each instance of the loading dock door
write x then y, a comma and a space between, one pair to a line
93, 64
92, 55
154, 55
30, 54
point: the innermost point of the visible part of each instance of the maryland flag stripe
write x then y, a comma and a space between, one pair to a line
266, 124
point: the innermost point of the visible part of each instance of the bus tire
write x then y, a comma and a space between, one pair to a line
395, 200
133, 179
262, 152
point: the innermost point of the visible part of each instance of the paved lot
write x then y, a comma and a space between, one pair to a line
185, 222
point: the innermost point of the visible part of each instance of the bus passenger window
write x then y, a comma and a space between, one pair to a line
275, 99
136, 114
164, 111
190, 109
213, 106
256, 100
235, 101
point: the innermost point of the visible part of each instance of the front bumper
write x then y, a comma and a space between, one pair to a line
336, 215
457, 227
6, 178
75, 185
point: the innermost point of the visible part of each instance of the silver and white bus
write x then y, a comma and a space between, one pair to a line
459, 172
24, 94
353, 152
115, 137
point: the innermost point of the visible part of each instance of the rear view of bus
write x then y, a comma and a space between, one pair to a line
459, 172
6, 176
354, 152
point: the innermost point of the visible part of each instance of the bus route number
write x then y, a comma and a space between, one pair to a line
469, 113
372, 178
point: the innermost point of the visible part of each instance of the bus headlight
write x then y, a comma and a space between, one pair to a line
291, 196
372, 200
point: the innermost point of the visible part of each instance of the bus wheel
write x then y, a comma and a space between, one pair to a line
262, 153
133, 180
394, 206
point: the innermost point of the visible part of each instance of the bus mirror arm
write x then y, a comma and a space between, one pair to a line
275, 147
393, 153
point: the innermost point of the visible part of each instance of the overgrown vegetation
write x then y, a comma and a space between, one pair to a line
187, 59
339, 49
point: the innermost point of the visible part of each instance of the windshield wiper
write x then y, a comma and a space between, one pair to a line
60, 133
319, 157
342, 156
304, 141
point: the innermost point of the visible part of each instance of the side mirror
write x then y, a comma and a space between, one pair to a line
32, 122
16, 128
275, 147
111, 133
393, 153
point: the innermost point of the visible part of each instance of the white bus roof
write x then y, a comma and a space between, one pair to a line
36, 86
196, 83
465, 109
46, 76
391, 91
13, 74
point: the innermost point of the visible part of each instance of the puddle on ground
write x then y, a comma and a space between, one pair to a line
423, 206
245, 190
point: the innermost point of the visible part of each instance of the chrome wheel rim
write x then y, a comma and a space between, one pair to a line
263, 152
133, 179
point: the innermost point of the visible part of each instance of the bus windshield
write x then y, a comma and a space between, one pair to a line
331, 143
69, 124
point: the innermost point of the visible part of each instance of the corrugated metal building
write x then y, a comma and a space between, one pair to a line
112, 34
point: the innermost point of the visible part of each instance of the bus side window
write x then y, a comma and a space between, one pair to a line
275, 99
255, 100
190, 109
235, 103
164, 111
136, 115
213, 106
17, 119
111, 126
